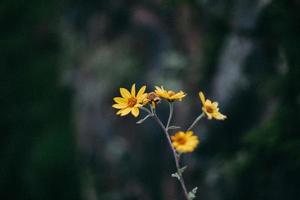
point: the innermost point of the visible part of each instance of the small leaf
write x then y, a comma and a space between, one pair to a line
176, 175
192, 194
142, 120
173, 127
181, 170
178, 155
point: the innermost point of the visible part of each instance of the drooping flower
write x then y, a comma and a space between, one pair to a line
152, 98
185, 142
210, 108
169, 94
130, 101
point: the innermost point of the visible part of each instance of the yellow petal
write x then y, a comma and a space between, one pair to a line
125, 93
157, 88
153, 104
179, 95
215, 104
125, 111
141, 92
202, 97
209, 116
141, 98
133, 90
119, 100
189, 133
119, 106
208, 102
138, 105
135, 112
119, 112
181, 134
219, 116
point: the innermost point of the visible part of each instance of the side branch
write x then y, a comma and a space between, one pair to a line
170, 114
195, 121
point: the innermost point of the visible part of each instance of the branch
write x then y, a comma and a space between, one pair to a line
170, 114
175, 155
195, 121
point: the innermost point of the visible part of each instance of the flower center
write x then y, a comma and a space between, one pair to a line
209, 109
131, 102
152, 96
181, 140
171, 93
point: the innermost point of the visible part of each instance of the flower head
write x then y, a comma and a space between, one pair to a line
185, 142
152, 98
130, 101
210, 108
169, 94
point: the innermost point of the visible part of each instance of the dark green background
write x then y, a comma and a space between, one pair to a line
249, 156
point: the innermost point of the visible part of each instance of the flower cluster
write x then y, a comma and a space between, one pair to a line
180, 142
130, 102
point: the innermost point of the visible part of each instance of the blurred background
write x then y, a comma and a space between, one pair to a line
62, 62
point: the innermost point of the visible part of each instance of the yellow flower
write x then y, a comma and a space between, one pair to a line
211, 108
169, 94
130, 102
185, 142
152, 98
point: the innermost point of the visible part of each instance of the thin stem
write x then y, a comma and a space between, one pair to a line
195, 121
176, 158
170, 114
147, 110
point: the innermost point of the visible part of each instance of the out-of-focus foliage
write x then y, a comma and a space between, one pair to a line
37, 144
62, 60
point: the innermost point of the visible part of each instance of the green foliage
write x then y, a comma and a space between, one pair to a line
192, 194
37, 149
179, 173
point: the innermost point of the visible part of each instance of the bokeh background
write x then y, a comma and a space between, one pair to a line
63, 61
